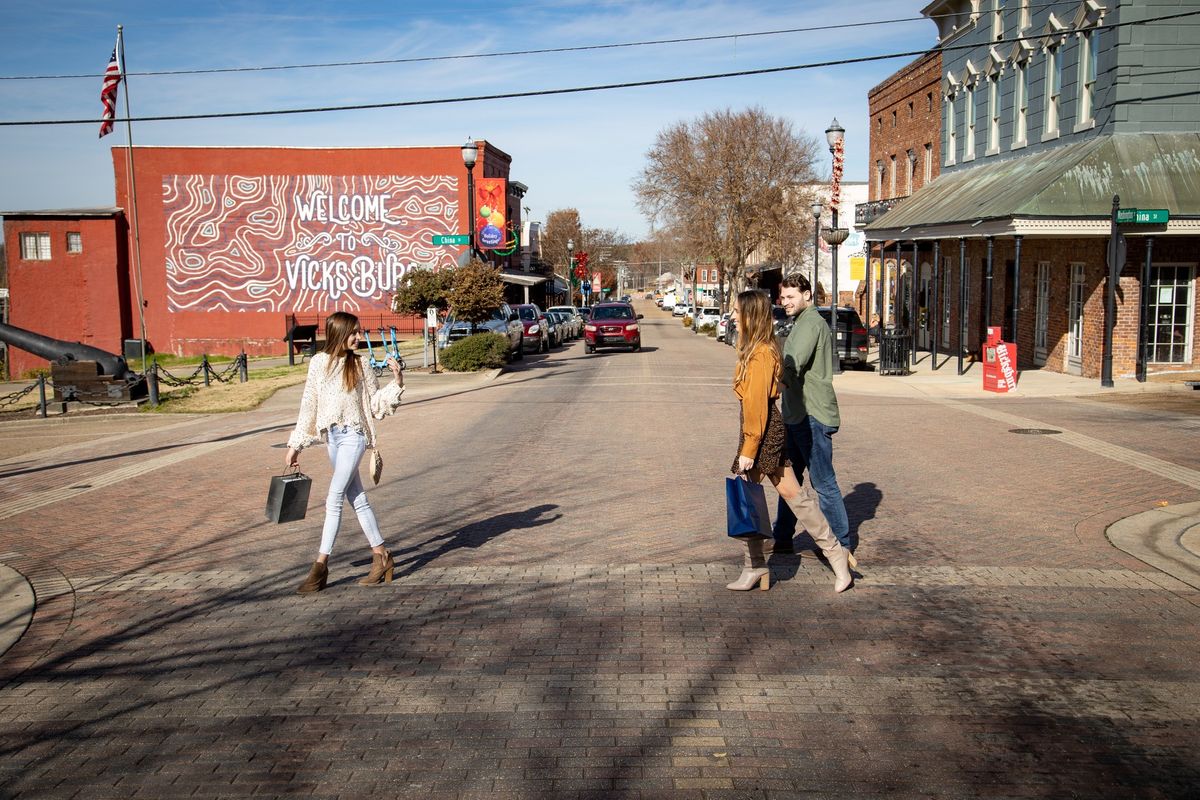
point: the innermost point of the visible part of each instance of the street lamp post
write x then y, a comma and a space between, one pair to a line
835, 134
816, 212
469, 153
571, 272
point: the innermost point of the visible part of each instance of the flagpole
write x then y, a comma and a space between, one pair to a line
130, 172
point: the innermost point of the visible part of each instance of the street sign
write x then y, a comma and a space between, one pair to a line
452, 238
1143, 216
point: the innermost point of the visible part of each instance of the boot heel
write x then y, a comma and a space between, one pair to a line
851, 560
387, 575
764, 583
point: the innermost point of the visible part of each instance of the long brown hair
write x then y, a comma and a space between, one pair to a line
338, 329
756, 326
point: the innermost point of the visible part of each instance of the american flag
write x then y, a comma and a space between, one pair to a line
108, 94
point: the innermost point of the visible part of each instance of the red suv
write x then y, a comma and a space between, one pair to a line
612, 325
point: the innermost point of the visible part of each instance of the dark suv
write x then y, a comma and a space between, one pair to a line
503, 320
851, 336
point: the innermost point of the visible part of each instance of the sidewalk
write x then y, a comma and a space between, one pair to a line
944, 381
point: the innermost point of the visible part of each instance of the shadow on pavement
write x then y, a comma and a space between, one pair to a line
861, 505
474, 534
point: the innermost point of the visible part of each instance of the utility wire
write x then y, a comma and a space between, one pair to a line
505, 53
572, 90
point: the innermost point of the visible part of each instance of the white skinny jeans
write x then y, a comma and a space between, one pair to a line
346, 448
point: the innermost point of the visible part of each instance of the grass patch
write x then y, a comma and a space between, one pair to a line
225, 398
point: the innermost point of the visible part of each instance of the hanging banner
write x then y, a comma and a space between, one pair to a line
858, 268
490, 203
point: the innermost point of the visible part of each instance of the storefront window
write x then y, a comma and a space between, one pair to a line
1171, 312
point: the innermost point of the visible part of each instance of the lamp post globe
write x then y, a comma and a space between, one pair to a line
834, 134
469, 153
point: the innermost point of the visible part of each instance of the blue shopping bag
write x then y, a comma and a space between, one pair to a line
746, 508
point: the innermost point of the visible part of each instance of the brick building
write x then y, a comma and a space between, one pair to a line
234, 240
1049, 111
905, 153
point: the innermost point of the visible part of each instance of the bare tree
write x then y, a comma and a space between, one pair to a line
731, 183
561, 224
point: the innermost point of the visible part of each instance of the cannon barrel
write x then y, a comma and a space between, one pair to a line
61, 352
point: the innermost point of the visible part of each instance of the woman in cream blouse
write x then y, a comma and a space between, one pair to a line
340, 403
761, 451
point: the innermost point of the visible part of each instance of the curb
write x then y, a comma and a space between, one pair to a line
17, 603
1166, 538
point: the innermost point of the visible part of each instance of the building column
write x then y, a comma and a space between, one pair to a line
935, 309
914, 276
1016, 288
962, 302
1143, 337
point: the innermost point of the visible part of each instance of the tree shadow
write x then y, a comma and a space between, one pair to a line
472, 535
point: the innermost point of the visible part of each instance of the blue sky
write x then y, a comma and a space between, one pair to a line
580, 150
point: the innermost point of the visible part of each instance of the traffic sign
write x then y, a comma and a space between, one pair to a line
1143, 216
586, 286
452, 238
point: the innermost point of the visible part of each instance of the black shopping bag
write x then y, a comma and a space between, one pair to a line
288, 499
746, 508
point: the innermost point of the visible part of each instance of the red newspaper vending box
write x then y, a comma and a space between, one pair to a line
999, 363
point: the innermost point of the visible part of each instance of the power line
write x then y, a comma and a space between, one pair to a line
505, 53
572, 90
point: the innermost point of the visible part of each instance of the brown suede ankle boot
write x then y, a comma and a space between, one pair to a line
317, 576
382, 567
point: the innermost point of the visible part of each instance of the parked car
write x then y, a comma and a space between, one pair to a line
626, 298
571, 318
613, 325
723, 325
681, 310
649, 296
503, 320
783, 323
553, 332
851, 336
707, 316
535, 337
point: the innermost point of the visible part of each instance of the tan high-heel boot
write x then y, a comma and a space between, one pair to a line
755, 570
808, 514
382, 567
318, 575
839, 559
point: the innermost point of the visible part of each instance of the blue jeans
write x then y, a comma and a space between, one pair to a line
346, 447
810, 445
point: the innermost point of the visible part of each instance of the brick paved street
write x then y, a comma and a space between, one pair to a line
559, 626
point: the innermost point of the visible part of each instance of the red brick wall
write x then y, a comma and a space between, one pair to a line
914, 84
73, 296
227, 332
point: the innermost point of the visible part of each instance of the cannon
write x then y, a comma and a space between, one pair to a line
79, 371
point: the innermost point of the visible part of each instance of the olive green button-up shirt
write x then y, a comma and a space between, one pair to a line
808, 372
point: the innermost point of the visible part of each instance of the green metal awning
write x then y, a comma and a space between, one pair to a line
1063, 191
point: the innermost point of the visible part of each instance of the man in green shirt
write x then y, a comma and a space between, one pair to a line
810, 411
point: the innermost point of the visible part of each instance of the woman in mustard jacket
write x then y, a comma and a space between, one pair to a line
761, 451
